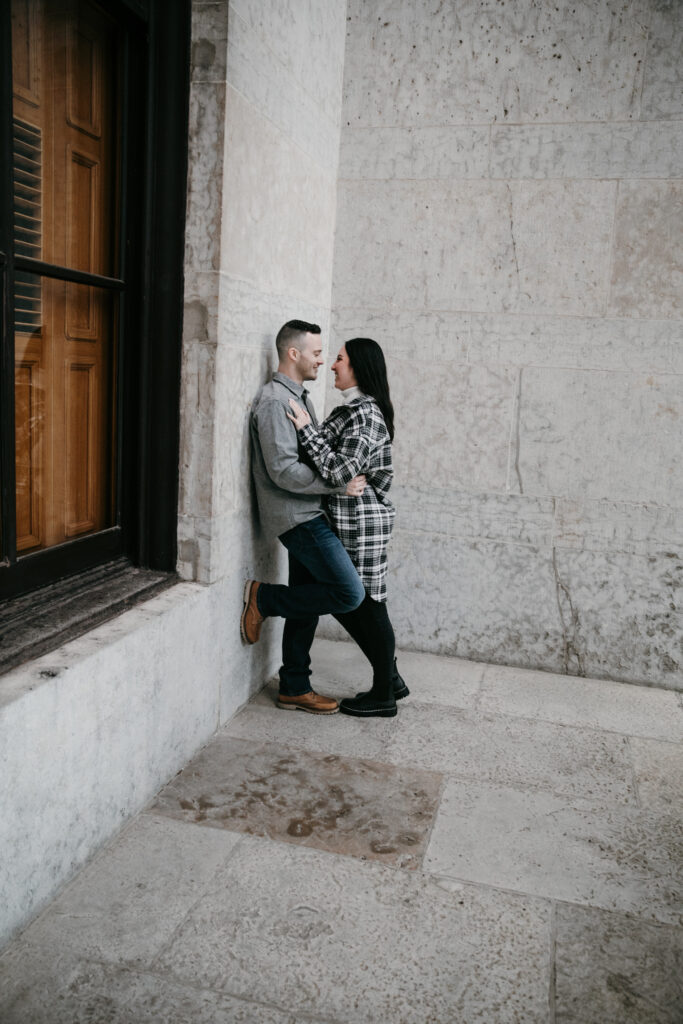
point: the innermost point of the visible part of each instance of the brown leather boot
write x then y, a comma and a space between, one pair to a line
251, 620
312, 702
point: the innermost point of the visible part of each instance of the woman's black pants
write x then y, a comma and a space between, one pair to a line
370, 627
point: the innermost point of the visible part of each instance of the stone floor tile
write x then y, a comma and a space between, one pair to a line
32, 980
267, 697
616, 969
515, 751
586, 852
262, 721
356, 807
436, 680
49, 990
596, 703
132, 897
659, 774
341, 670
360, 942
548, 788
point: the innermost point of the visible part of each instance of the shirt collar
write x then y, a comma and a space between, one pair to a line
297, 389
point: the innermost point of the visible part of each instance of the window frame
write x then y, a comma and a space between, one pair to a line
154, 89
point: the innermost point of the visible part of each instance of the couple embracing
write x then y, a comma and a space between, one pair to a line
322, 490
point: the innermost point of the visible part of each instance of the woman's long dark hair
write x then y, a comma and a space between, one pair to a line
367, 363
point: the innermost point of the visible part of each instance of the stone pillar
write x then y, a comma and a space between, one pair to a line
264, 146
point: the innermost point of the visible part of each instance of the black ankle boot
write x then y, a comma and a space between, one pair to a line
400, 688
366, 705
398, 683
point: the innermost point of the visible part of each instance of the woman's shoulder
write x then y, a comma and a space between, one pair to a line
365, 406
371, 414
361, 413
338, 415
355, 411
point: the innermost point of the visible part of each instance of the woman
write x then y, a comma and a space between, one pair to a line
356, 438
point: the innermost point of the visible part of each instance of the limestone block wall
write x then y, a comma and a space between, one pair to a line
509, 228
264, 150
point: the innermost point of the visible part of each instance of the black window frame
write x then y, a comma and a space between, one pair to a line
155, 91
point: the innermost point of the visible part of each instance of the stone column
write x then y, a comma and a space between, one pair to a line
264, 145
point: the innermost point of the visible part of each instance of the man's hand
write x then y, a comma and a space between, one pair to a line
355, 487
300, 418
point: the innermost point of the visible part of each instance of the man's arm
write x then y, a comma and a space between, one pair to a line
277, 436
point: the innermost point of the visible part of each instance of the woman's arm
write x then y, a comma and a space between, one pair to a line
340, 464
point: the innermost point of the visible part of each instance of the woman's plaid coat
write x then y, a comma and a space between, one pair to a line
354, 439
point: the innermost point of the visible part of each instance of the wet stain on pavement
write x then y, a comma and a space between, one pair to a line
345, 805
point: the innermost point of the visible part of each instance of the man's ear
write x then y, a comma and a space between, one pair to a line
293, 353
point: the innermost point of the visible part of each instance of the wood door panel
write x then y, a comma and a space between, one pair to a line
83, 203
83, 211
29, 404
80, 463
85, 67
25, 51
82, 320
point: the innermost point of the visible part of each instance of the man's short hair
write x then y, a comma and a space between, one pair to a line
291, 335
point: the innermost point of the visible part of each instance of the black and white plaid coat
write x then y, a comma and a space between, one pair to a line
354, 439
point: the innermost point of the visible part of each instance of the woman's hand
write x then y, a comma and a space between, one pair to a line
300, 418
355, 487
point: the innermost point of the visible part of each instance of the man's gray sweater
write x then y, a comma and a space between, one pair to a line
288, 489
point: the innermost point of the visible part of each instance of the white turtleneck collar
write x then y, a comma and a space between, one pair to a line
349, 394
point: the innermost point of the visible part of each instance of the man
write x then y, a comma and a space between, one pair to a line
322, 577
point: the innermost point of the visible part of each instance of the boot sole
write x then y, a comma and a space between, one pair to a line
374, 713
309, 711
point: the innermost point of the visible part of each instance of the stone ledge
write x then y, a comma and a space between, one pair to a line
36, 623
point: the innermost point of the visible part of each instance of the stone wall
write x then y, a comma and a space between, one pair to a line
509, 229
90, 732
264, 150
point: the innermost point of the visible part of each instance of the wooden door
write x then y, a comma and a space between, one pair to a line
64, 76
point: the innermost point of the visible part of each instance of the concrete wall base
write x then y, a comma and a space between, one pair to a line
90, 732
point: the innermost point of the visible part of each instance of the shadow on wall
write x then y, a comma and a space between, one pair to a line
265, 548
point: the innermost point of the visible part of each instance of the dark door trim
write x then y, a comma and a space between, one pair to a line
155, 85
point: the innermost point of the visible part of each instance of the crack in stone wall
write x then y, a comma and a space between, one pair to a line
518, 413
514, 438
570, 622
512, 234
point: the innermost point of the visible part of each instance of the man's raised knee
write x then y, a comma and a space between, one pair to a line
351, 597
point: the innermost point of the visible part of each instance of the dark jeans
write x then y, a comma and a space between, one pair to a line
322, 580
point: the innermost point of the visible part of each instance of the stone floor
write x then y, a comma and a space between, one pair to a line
508, 848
